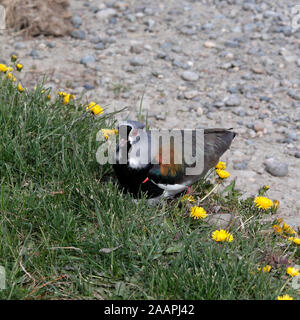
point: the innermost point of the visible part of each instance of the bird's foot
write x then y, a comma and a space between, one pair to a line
189, 190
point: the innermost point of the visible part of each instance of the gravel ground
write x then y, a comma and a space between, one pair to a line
199, 64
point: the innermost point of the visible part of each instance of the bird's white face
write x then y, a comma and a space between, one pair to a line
138, 152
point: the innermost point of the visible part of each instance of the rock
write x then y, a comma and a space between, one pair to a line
292, 136
180, 64
20, 45
137, 62
136, 48
297, 154
190, 94
232, 101
51, 45
209, 44
87, 59
106, 13
276, 168
295, 94
258, 126
77, 21
34, 54
219, 220
100, 46
78, 34
189, 76
95, 39
88, 86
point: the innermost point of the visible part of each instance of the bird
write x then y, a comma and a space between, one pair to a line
139, 160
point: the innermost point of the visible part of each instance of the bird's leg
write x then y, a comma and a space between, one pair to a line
188, 191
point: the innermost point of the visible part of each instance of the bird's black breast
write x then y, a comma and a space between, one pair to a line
133, 181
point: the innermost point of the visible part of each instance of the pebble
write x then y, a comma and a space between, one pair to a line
189, 76
77, 21
295, 94
20, 45
232, 101
276, 168
78, 34
209, 44
191, 94
219, 220
100, 46
34, 54
106, 13
137, 61
87, 59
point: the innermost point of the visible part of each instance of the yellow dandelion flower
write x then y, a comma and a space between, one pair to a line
108, 132
285, 297
14, 58
3, 68
288, 229
20, 88
19, 66
222, 235
266, 187
94, 108
221, 165
9, 76
293, 272
198, 213
277, 228
66, 98
187, 197
276, 204
294, 239
263, 202
267, 268
222, 173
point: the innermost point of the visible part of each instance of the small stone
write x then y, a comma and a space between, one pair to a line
78, 34
88, 86
232, 101
51, 45
209, 44
137, 62
136, 48
189, 76
95, 39
190, 94
295, 94
20, 45
258, 126
219, 220
297, 154
87, 59
276, 168
292, 136
77, 21
106, 13
100, 46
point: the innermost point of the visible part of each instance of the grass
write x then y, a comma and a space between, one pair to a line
68, 232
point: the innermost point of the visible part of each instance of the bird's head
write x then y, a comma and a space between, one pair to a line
133, 144
127, 131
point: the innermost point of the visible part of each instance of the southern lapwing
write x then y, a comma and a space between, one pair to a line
141, 170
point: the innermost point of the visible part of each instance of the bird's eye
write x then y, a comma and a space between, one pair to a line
134, 132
